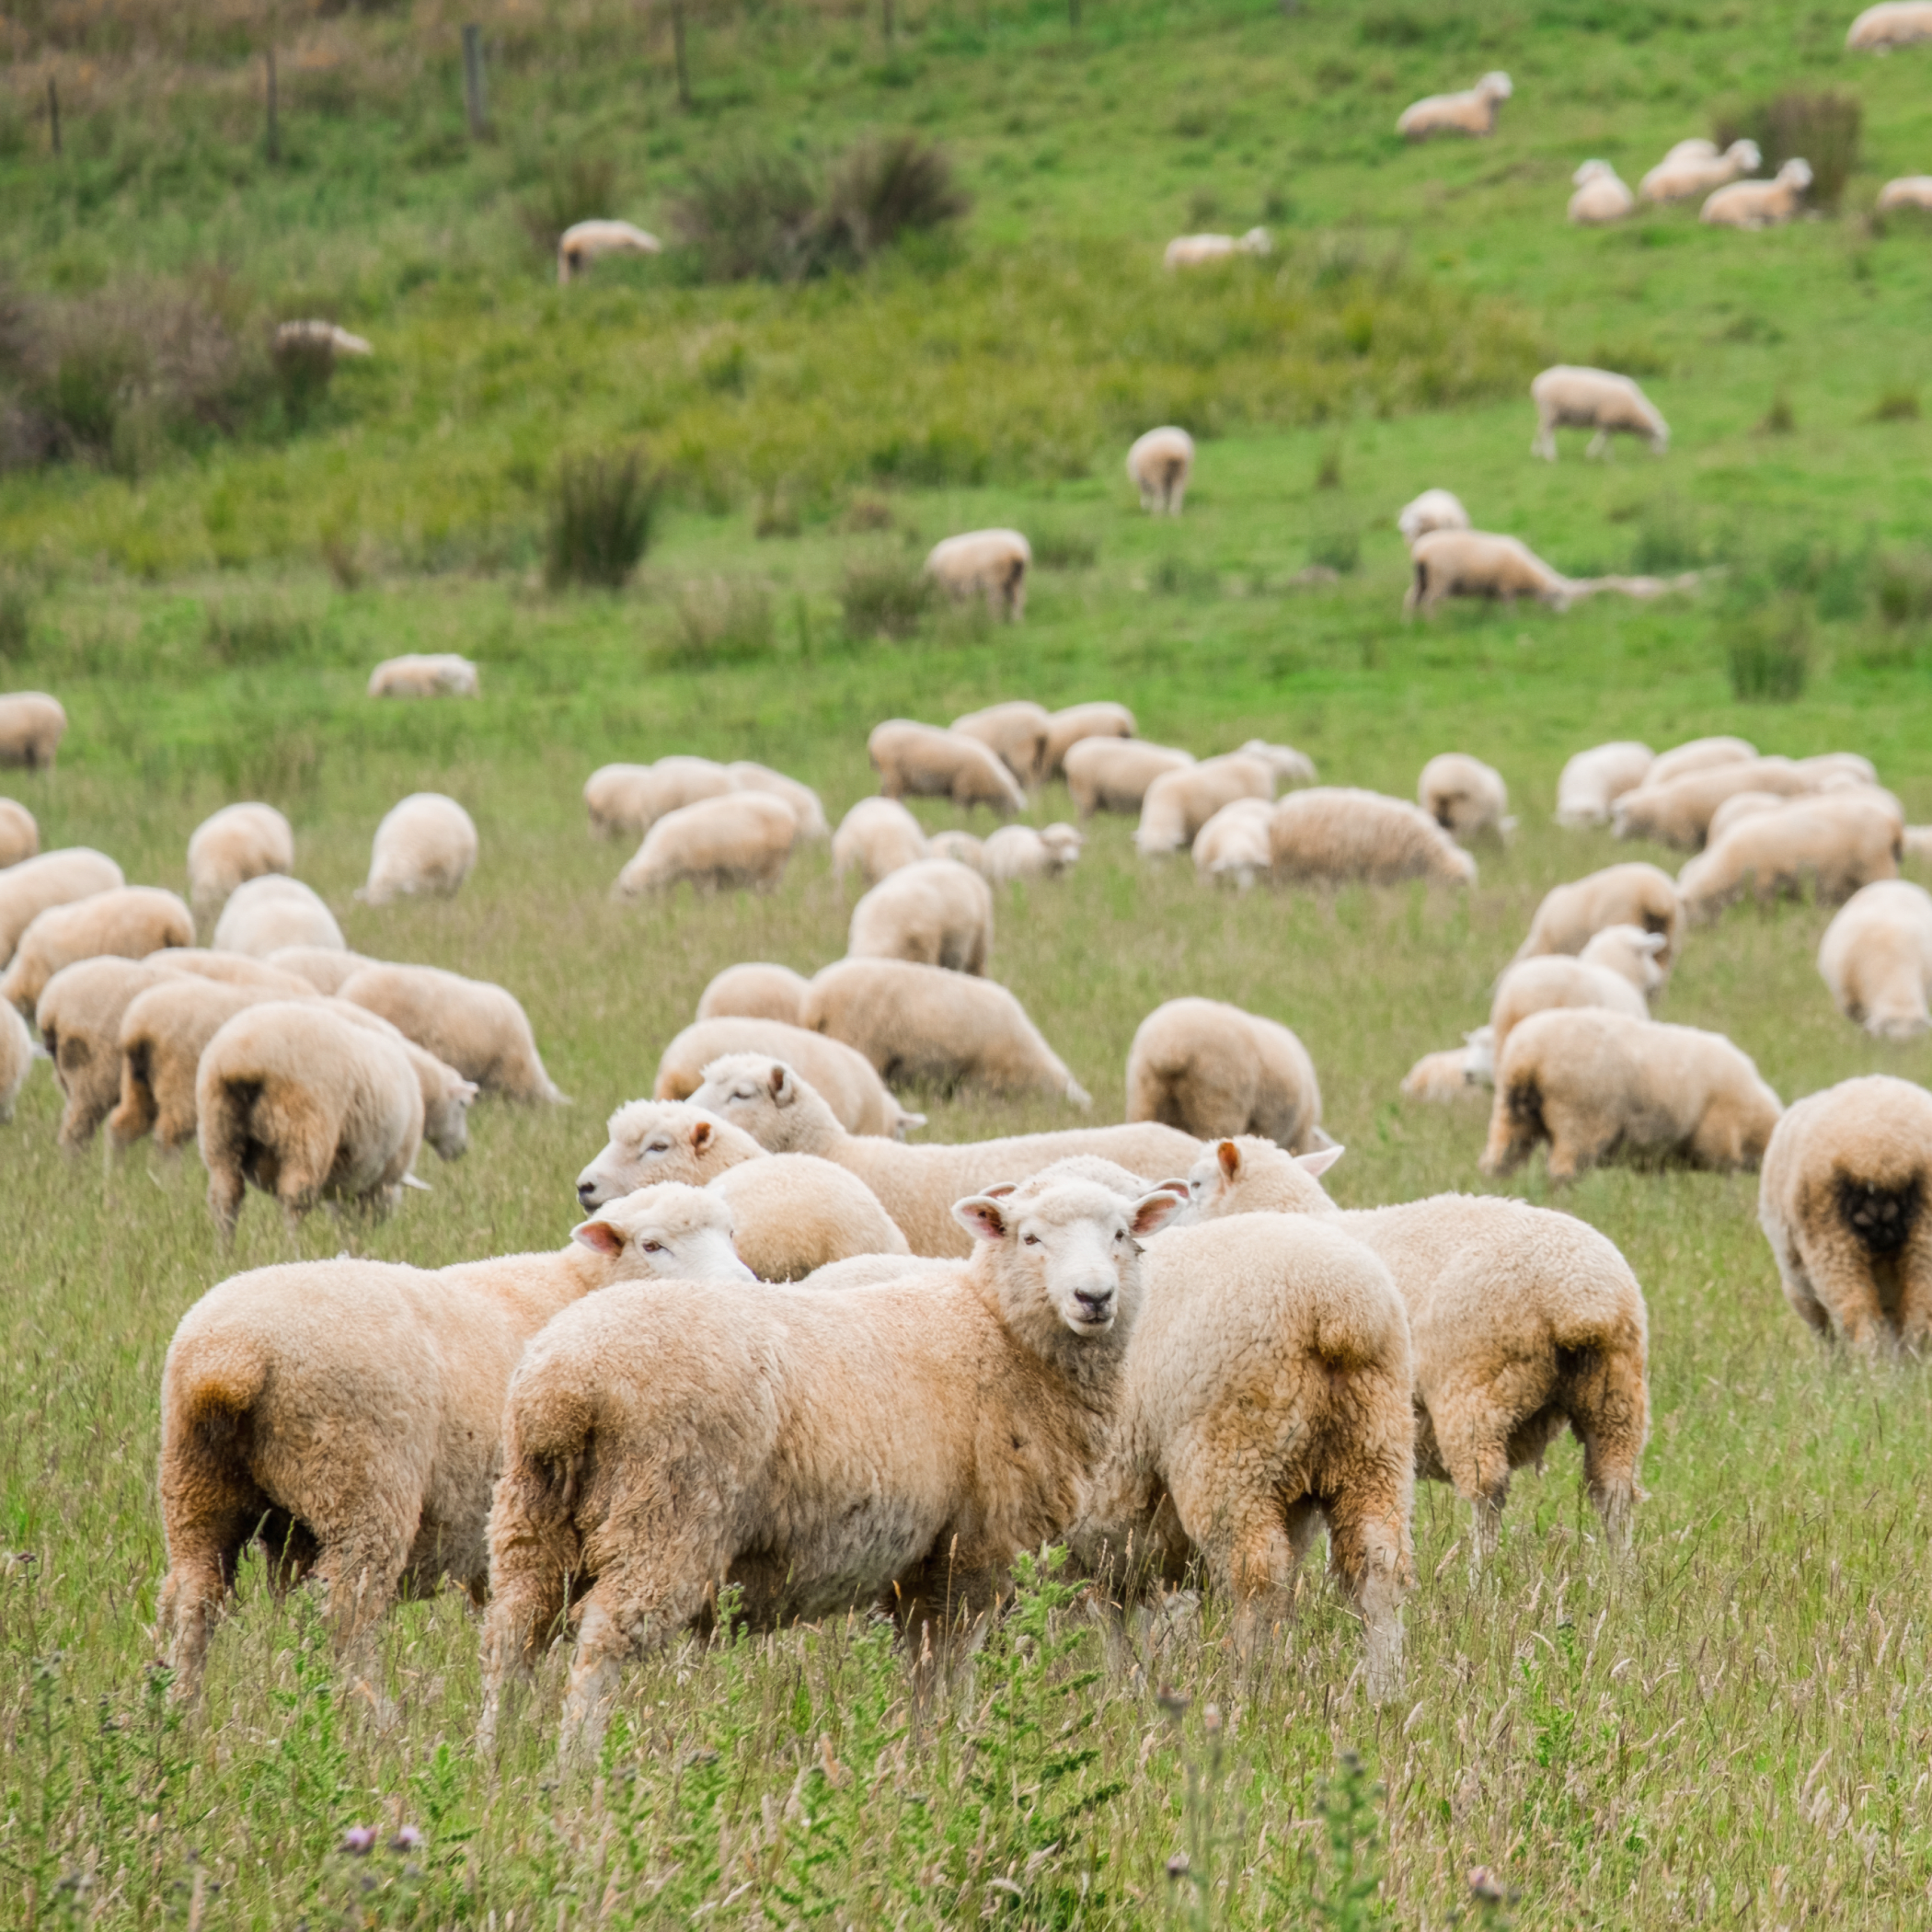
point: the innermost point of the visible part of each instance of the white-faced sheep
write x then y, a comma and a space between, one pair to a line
1101, 718
877, 836
477, 1027
129, 922
921, 760
1211, 1070
1600, 195
1467, 797
1020, 852
1592, 781
840, 1075
1876, 958
820, 1450
1618, 968
1570, 916
1233, 848
1443, 1077
1572, 399
16, 1060
31, 727
272, 913
236, 843
1895, 23
755, 989
1158, 466
350, 1413
1337, 835
326, 968
1698, 754
59, 877
1836, 843
1594, 1082
1759, 204
1015, 733
584, 242
1912, 191
79, 1017
741, 840
1434, 510
1696, 167
806, 806
425, 675
1846, 1202
1471, 112
1195, 251
1289, 766
1178, 804
19, 835
425, 847
1475, 563
992, 564
631, 798
1114, 775
937, 913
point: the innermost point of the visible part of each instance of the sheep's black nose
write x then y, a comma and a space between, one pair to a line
586, 1193
1094, 1303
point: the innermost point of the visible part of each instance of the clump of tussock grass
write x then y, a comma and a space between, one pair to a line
1336, 545
1062, 549
600, 512
17, 612
724, 620
1902, 588
1822, 128
253, 630
578, 187
1767, 650
885, 596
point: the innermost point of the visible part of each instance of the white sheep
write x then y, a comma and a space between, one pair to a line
1233, 848
238, 969
1158, 466
1913, 191
1600, 195
631, 798
1572, 399
1337, 835
266, 915
129, 922
807, 807
1289, 766
755, 989
1895, 23
1434, 510
1017, 733
1568, 916
58, 878
962, 848
17, 1058
921, 760
1617, 969
31, 727
1211, 1070
1876, 958
741, 840
425, 675
1836, 843
78, 1016
1695, 167
1020, 852
328, 969
1449, 1075
1114, 774
1178, 804
877, 837
1592, 781
19, 835
315, 334
937, 912
1475, 563
1467, 797
1741, 805
1759, 204
840, 1074
1471, 112
584, 242
1194, 251
1100, 718
474, 1026
988, 563
236, 843
425, 847
1699, 754
1678, 811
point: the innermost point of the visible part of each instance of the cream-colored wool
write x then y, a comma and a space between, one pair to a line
1178, 805
795, 1213
869, 1270
1101, 718
1571, 399
1912, 191
717, 844
877, 836
937, 913
992, 564
475, 1026
961, 845
1678, 811
1113, 775
584, 243
31, 727
1601, 196
326, 968
921, 760
806, 806
1835, 843
1522, 1320
923, 1025
128, 922
1337, 835
840, 1075
1475, 563
440, 674
1759, 204
1442, 1076
446, 1095
1470, 112
755, 989
424, 848
1699, 754
16, 1060
1434, 510
1894, 23
164, 1028
1018, 852
236, 843
631, 798
1233, 848
651, 1141
1536, 985
1158, 466
1738, 806
1592, 780
1918, 844
1195, 251
79, 1017
1595, 1084
1876, 958
269, 914
59, 877
19, 835
1211, 1069
1015, 733
1289, 766
350, 1413
235, 969
1633, 894
1695, 167
1467, 797
1846, 1202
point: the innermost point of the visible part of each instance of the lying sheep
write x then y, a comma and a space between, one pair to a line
1178, 804
1896, 23
1194, 251
477, 1027
16, 1060
1837, 843
1877, 959
19, 835
425, 675
755, 991
1759, 204
843, 1077
1594, 1082
984, 563
923, 761
1912, 191
350, 1413
31, 727
877, 836
236, 843
1699, 754
1337, 835
129, 923
272, 912
1633, 893
1289, 766
806, 806
821, 1450
1472, 112
1443, 1077
584, 242
937, 913
1592, 780
1211, 1070
1233, 848
1601, 196
1066, 729
425, 847
631, 798
1696, 167
36, 885
1158, 466
1434, 510
1114, 775
79, 1017
921, 1024
1843, 1202
1018, 852
1015, 733
1467, 797
742, 840
1572, 399
1618, 970
326, 968
1473, 563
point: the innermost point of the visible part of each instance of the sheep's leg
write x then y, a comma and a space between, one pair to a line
1368, 1536
1544, 444
203, 1550
1845, 1282
626, 1613
1512, 1134
1476, 1451
1608, 1407
226, 1189
1598, 444
1915, 1266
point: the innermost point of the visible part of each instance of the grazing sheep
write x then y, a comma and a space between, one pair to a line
291, 337
1211, 1070
1738, 806
1337, 835
1843, 1202
16, 1060
1178, 805
79, 1017
272, 912
924, 762
326, 968
1699, 754
1194, 251
425, 847
1572, 399
350, 1413
1233, 846
753, 991
1018, 852
631, 798
1015, 733
1896, 23
425, 675
937, 912
921, 1024
1759, 204
1876, 958
19, 835
129, 923
821, 1450
1618, 970
1592, 780
1678, 811
31, 727
1467, 797
1442, 1076
1473, 563
236, 843
1695, 167
842, 1076
157, 1048
1838, 843
962, 848
1594, 1082
1570, 916
1601, 196
584, 242
1434, 510
878, 836
1101, 718
1289, 766
742, 840
988, 563
1912, 191
60, 878
1114, 775
807, 807
1472, 112
1158, 466
475, 1026
235, 969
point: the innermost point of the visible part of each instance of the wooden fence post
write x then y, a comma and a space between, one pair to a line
274, 143
677, 41
54, 115
476, 101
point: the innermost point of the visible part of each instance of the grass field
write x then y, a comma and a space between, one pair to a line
1733, 1730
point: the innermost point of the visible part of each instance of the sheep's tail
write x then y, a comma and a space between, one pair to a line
217, 1389
1880, 1215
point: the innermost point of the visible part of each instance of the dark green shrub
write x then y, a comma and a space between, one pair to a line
1821, 128
1902, 588
1768, 651
581, 187
601, 515
884, 597
886, 189
754, 216
1777, 420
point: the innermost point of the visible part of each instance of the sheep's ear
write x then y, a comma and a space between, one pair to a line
785, 1089
600, 1237
1229, 1155
1320, 1161
999, 1190
1153, 1211
980, 1215
702, 1135
1177, 1185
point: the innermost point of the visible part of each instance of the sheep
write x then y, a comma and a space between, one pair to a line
1467, 797
425, 675
924, 762
1233, 846
31, 727
742, 840
1336, 834
921, 1023
16, 1060
235, 969
1838, 841
1522, 1319
1618, 968
631, 798
1289, 766
162, 1029
1015, 733
272, 913
650, 1141
821, 1450
1572, 399
1759, 205
937, 912
326, 968
1876, 958
1918, 843
1601, 196
129, 923
961, 847
313, 335
1594, 1082
1158, 466
79, 1017
425, 847
1211, 1070
1473, 563
1738, 806
1114, 775
1570, 916
1912, 191
1065, 728
917, 1185
1178, 804
877, 836
19, 835
350, 1413
1678, 812
1473, 112
869, 1271
1434, 510
1699, 754
475, 1026
806, 806
1592, 781
755, 991
989, 563
1018, 852
840, 1075
1843, 1201
1194, 251
1695, 167
1895, 23
236, 843
1442, 1076
584, 243
35, 885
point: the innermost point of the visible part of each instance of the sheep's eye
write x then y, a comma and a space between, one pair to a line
1031, 1240
658, 1147
653, 1247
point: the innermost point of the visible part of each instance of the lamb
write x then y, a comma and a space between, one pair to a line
36, 885
1336, 836
1178, 804
1876, 958
1018, 852
1195, 251
79, 1020
441, 673
753, 991
19, 835
1618, 968
631, 798
806, 806
1473, 563
878, 836
1289, 766
236, 843
16, 1060
1592, 780
1158, 466
1522, 1320
1015, 733
1233, 846
1574, 398
1473, 112
937, 912
1633, 893
1594, 1082
31, 727
843, 1077
925, 763
1467, 797
1211, 1070
1699, 754
1759, 204
350, 1413
921, 1023
1110, 775
326, 968
1896, 23
1695, 167
425, 847
1601, 196
917, 1185
1067, 727
1912, 191
1839, 842
584, 242
272, 913
722, 843
989, 563
1843, 1201
821, 1450
476, 1028
1434, 510
129, 923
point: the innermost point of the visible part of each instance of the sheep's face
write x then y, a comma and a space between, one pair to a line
649, 1144
1238, 1177
445, 1121
754, 1093
670, 1233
